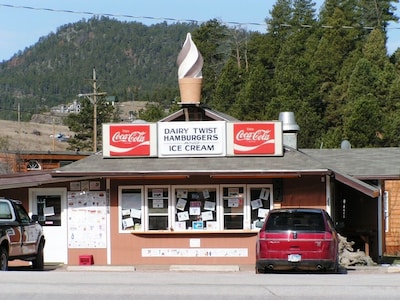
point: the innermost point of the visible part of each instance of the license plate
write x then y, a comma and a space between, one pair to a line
294, 257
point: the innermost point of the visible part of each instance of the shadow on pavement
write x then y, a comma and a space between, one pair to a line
47, 267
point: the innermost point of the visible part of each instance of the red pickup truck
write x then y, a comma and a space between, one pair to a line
21, 237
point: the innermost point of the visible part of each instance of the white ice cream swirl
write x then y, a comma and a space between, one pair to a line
189, 61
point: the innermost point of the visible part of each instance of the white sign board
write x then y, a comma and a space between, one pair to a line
190, 139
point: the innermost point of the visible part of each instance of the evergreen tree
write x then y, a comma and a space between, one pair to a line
82, 123
211, 39
377, 13
228, 88
152, 113
363, 122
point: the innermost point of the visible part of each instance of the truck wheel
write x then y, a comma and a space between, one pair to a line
3, 259
38, 262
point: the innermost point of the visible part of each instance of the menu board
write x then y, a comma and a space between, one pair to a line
87, 219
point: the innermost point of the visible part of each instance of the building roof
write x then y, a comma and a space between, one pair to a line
347, 166
197, 113
364, 163
292, 163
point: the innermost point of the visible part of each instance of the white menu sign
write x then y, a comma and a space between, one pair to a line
203, 138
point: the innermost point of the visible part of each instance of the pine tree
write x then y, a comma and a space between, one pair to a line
82, 123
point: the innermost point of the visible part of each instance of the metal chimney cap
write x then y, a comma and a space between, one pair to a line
288, 121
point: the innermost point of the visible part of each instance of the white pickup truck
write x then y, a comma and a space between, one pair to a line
21, 237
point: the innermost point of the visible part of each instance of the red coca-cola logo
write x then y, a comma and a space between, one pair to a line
129, 140
258, 135
132, 137
254, 138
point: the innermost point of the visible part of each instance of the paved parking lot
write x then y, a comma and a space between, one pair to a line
378, 269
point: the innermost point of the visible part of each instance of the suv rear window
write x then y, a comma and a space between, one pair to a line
5, 211
305, 221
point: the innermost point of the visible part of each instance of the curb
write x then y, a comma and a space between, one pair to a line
205, 268
102, 268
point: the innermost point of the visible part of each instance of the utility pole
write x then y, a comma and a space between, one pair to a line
93, 99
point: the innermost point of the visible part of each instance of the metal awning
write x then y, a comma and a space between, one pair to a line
359, 185
33, 179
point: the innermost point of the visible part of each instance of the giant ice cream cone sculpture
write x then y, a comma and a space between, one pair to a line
190, 64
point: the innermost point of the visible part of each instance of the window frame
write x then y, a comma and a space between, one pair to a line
147, 214
33, 165
249, 188
142, 206
11, 210
244, 211
174, 210
171, 212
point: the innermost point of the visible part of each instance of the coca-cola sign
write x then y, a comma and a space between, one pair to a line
255, 138
127, 140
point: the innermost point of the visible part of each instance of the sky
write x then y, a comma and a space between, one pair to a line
21, 27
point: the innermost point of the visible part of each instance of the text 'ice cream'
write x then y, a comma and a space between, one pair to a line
190, 64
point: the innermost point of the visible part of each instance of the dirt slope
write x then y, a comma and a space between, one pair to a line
27, 136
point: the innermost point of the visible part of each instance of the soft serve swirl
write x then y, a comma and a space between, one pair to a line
189, 61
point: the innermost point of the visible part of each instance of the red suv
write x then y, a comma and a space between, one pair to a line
297, 239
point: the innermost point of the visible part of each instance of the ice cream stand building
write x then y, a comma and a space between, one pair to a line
189, 189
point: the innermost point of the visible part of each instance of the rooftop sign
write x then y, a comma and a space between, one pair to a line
193, 139
254, 138
125, 140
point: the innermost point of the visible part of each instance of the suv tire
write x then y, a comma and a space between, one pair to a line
38, 262
3, 259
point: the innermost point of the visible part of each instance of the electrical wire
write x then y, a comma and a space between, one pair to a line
178, 20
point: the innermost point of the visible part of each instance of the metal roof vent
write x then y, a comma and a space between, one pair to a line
288, 121
290, 129
139, 121
345, 144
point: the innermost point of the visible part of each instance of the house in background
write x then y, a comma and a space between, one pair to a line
12, 162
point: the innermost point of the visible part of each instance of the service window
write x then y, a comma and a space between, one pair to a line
130, 208
157, 200
260, 198
49, 210
233, 207
195, 208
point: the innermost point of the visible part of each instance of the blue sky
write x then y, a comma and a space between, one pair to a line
21, 27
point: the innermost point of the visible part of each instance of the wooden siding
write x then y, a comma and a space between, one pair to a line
392, 238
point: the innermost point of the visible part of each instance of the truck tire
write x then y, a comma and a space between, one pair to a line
3, 259
38, 262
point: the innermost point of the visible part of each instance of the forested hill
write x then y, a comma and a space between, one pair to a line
132, 61
331, 68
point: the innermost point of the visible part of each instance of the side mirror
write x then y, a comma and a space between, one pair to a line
258, 224
35, 218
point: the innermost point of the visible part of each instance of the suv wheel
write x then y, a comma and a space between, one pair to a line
38, 263
3, 259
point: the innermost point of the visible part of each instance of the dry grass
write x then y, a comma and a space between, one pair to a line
30, 136
22, 135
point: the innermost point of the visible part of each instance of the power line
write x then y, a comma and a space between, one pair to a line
180, 20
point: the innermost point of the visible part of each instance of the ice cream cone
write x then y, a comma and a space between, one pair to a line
190, 89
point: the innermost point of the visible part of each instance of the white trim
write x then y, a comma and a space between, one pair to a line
145, 221
62, 192
328, 194
218, 200
269, 186
144, 211
108, 217
245, 203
